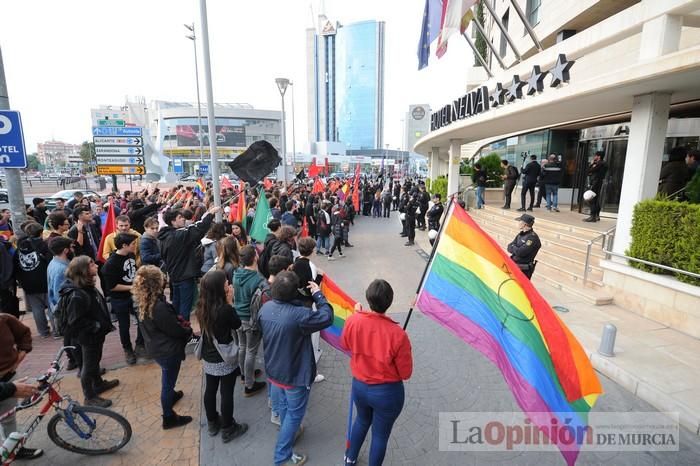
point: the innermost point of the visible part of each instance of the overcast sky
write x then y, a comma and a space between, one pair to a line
63, 58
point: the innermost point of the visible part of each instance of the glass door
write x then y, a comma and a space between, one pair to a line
584, 157
615, 154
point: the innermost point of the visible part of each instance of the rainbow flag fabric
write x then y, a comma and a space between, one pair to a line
199, 188
476, 291
343, 307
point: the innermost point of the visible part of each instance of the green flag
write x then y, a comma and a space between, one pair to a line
259, 230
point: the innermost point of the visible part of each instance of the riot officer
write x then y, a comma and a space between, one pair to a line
411, 208
435, 212
525, 246
403, 200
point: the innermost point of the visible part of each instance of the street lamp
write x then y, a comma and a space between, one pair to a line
282, 84
294, 145
193, 38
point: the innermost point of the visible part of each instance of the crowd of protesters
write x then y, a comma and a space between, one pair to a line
245, 293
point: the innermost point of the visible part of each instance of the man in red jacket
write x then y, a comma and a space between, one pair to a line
380, 360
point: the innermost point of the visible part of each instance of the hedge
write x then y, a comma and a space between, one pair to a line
437, 186
668, 233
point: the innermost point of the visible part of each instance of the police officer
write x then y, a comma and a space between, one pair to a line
402, 210
435, 212
524, 247
411, 208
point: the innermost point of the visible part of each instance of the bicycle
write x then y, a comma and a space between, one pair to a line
72, 423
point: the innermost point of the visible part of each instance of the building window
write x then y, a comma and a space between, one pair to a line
533, 11
503, 49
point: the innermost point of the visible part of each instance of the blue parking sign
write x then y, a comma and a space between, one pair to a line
12, 151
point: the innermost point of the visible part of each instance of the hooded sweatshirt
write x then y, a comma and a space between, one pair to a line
245, 282
209, 246
31, 261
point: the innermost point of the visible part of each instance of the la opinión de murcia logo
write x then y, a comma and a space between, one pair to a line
483, 99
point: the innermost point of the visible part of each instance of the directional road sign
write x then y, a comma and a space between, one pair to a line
116, 131
111, 123
203, 169
121, 170
12, 152
177, 166
115, 141
119, 160
116, 150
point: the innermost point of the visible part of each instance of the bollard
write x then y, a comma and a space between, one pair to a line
607, 341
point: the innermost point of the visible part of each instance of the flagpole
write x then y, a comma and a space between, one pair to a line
432, 254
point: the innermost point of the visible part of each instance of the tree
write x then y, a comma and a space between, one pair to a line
480, 39
32, 162
87, 153
492, 164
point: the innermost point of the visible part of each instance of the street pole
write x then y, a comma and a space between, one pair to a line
210, 107
282, 84
294, 145
193, 38
12, 175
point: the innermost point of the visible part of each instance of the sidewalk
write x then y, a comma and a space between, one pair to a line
654, 362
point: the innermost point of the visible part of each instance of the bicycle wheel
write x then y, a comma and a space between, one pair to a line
111, 431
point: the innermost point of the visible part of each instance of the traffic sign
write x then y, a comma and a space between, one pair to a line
115, 141
203, 169
117, 160
111, 122
116, 150
12, 151
121, 170
116, 131
177, 166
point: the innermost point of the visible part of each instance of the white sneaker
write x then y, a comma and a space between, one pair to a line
275, 419
330, 258
341, 254
319, 378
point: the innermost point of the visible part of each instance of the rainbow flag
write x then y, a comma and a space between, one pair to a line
199, 188
476, 291
343, 307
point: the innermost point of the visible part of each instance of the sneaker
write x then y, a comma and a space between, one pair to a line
130, 357
409, 243
319, 378
275, 419
236, 430
257, 386
178, 396
71, 365
256, 374
522, 209
213, 427
99, 402
330, 258
341, 255
106, 385
171, 422
555, 209
295, 460
28, 453
348, 245
529, 209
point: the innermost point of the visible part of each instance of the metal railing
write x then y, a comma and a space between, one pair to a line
652, 264
608, 237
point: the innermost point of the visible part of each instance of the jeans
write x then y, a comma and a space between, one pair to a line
248, 345
378, 406
323, 242
480, 196
291, 406
90, 372
376, 209
227, 383
37, 304
552, 191
183, 297
123, 309
169, 370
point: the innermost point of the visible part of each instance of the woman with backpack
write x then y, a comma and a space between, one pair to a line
86, 320
165, 336
218, 320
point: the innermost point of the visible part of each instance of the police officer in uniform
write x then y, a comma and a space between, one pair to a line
525, 246
411, 208
435, 212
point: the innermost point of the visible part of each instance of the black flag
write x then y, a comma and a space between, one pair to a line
256, 162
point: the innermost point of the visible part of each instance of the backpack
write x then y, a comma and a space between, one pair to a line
61, 313
199, 256
264, 257
260, 297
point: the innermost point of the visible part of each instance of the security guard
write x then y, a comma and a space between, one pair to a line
525, 246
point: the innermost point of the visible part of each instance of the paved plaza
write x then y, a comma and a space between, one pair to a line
448, 376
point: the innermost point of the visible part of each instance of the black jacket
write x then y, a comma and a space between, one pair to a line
178, 246
435, 213
139, 216
162, 333
282, 248
31, 261
86, 249
227, 321
524, 247
531, 172
552, 173
596, 175
88, 317
479, 178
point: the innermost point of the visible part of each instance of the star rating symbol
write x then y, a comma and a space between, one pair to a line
515, 90
535, 83
560, 72
499, 95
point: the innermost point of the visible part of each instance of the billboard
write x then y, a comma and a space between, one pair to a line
188, 135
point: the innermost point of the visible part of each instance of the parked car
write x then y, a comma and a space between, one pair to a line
67, 194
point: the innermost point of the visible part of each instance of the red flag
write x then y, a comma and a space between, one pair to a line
319, 187
333, 186
110, 226
356, 199
313, 170
242, 211
328, 168
226, 183
304, 228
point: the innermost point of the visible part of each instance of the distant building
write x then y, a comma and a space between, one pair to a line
57, 153
345, 87
416, 124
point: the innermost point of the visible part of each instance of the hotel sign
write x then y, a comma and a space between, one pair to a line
482, 99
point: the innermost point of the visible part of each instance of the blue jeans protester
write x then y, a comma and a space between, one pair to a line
378, 406
183, 297
552, 191
291, 405
480, 196
170, 369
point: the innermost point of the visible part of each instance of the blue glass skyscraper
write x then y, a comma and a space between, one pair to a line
346, 83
